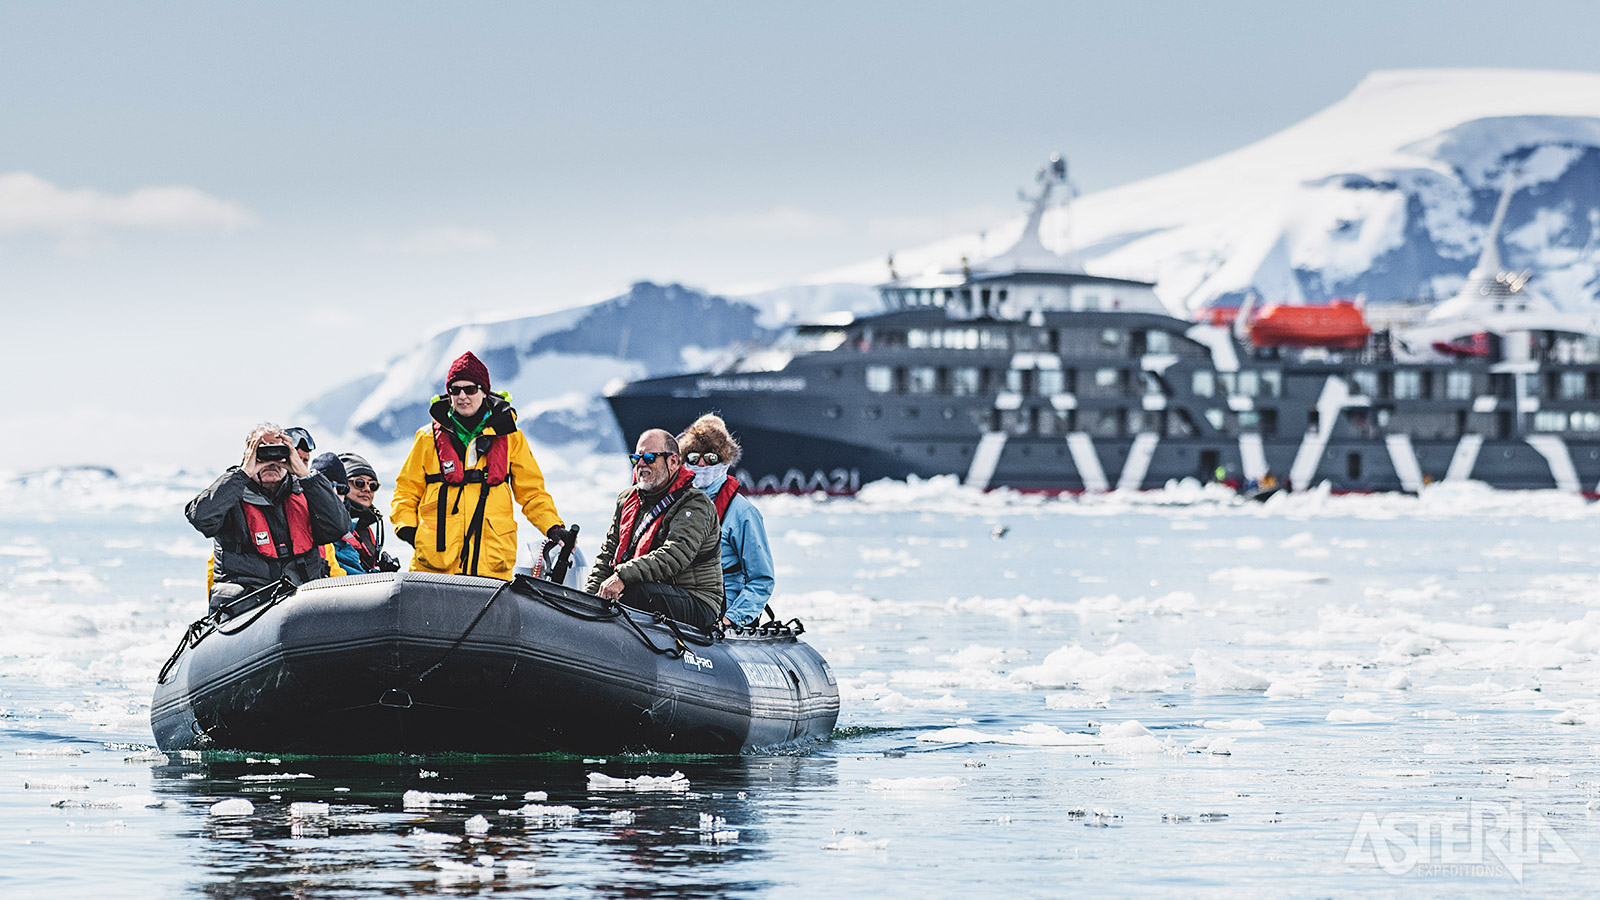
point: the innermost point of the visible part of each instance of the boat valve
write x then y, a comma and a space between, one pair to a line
396, 698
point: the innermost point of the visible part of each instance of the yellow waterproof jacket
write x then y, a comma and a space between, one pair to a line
494, 546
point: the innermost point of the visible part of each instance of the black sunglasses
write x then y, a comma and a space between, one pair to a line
363, 484
701, 459
468, 389
648, 458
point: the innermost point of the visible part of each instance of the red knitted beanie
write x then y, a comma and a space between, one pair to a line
468, 368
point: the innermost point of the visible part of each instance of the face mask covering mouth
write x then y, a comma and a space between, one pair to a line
706, 476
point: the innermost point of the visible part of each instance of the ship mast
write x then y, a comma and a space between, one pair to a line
1029, 252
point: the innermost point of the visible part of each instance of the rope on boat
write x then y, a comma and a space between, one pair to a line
200, 629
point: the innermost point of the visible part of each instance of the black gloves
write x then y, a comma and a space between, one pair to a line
407, 533
559, 534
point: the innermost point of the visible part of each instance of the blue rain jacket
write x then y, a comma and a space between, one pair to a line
744, 548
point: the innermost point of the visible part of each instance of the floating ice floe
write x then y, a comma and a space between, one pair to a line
235, 807
307, 809
130, 801
1357, 717
1122, 667
276, 776
147, 757
450, 870
540, 813
677, 781
1244, 578
932, 783
55, 783
425, 799
1077, 700
423, 836
50, 752
1215, 674
852, 844
1033, 735
623, 817
1216, 746
1234, 724
477, 825
535, 797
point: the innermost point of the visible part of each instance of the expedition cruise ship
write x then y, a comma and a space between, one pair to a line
1025, 371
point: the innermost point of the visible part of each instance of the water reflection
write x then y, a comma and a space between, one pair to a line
619, 843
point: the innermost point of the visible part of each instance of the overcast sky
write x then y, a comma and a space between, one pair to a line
210, 212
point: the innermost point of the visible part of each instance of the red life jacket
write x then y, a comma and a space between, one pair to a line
627, 547
730, 486
451, 470
299, 516
366, 547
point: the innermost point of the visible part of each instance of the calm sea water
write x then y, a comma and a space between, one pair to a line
1165, 695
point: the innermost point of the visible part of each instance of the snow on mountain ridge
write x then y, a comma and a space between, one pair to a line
1436, 142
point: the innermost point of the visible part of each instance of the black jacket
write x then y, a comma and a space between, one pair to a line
215, 513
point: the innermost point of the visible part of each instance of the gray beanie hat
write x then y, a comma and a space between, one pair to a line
355, 465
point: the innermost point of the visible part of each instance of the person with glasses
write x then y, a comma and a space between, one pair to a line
453, 496
268, 518
660, 553
362, 550
747, 571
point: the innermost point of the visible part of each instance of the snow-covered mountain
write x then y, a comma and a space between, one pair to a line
1387, 193
554, 365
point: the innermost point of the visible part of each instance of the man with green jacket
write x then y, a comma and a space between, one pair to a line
662, 550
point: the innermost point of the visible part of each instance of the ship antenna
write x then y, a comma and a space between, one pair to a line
1489, 264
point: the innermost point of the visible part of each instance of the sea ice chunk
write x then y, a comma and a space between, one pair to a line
425, 799
235, 807
677, 781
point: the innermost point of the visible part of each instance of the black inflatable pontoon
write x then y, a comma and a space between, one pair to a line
415, 662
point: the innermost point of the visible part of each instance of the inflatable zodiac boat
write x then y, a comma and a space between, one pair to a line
415, 663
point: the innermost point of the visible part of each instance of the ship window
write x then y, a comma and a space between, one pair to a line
1020, 381
880, 379
1152, 383
1549, 420
1364, 382
1248, 420
1407, 385
1458, 385
1158, 342
922, 380
1105, 423
1352, 466
1051, 382
961, 339
994, 339
1248, 384
917, 339
1110, 337
1216, 418
1205, 383
1271, 383
1107, 378
1586, 421
1574, 385
964, 381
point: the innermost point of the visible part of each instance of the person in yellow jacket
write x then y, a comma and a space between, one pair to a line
453, 496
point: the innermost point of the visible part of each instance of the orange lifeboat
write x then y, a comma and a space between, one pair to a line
1339, 325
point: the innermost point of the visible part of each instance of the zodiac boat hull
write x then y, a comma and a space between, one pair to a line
419, 663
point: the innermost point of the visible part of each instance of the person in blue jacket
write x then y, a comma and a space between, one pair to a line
747, 576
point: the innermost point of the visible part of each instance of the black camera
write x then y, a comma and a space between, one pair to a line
272, 452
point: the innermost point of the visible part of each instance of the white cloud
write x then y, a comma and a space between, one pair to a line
441, 240
778, 222
31, 205
941, 225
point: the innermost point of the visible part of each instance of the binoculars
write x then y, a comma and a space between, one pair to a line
272, 452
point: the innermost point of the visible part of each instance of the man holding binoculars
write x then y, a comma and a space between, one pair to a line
267, 517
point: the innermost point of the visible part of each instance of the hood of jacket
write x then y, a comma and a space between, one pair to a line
502, 417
